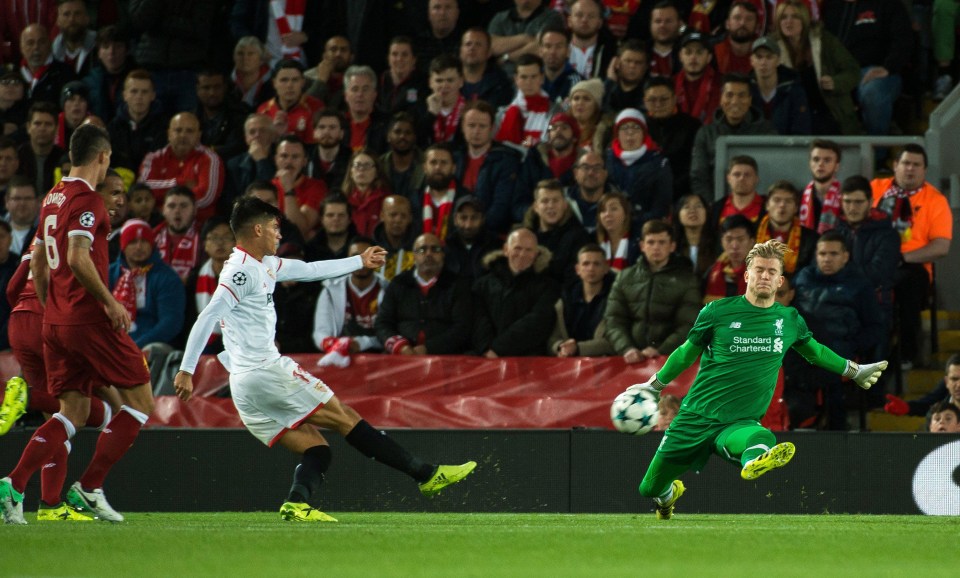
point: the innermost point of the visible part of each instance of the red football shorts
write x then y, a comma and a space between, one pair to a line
24, 329
79, 357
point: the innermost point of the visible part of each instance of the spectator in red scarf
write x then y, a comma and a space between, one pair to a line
434, 203
251, 73
636, 166
147, 287
45, 76
697, 85
442, 110
742, 178
526, 119
820, 202
726, 277
620, 248
177, 237
743, 26
365, 190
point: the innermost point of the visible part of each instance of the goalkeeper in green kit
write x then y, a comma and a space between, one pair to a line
741, 342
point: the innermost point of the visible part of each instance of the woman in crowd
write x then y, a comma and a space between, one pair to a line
614, 232
586, 101
695, 238
365, 189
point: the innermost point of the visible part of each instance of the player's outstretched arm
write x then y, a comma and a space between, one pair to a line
296, 270
864, 375
222, 302
681, 358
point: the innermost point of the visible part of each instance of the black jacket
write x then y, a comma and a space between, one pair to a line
444, 315
174, 34
875, 247
50, 84
564, 241
514, 314
467, 262
674, 135
224, 131
131, 145
495, 184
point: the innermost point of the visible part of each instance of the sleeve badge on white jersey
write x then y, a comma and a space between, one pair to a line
87, 219
239, 278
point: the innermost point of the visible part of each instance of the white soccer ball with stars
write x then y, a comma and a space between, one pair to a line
635, 411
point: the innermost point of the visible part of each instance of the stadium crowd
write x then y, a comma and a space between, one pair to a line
540, 173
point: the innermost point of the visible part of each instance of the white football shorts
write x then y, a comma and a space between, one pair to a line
277, 397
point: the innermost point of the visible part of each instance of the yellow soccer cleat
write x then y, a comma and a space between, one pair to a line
665, 511
62, 513
776, 457
303, 512
445, 476
14, 403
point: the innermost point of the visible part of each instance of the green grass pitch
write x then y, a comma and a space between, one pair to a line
523, 545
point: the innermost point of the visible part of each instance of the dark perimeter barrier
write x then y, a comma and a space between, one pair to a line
574, 470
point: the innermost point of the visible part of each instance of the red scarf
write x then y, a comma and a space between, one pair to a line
698, 108
896, 204
721, 274
181, 252
289, 19
126, 289
527, 117
436, 212
829, 212
560, 165
617, 259
34, 77
445, 125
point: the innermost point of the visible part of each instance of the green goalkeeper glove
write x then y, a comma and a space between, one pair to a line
864, 375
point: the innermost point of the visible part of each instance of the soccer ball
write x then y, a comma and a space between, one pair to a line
635, 411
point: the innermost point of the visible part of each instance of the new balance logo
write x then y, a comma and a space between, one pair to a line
735, 325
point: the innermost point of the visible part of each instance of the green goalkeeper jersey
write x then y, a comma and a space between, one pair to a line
743, 348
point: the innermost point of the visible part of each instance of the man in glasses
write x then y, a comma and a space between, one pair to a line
426, 310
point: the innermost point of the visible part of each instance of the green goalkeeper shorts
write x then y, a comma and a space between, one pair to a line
691, 439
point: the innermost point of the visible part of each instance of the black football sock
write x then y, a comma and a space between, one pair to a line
377, 445
309, 473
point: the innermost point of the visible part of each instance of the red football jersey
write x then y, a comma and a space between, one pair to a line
73, 208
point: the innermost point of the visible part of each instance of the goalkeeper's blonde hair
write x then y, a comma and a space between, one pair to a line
772, 249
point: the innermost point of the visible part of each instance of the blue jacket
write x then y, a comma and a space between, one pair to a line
648, 183
840, 309
495, 184
162, 315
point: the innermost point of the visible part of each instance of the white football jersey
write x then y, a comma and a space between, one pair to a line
243, 304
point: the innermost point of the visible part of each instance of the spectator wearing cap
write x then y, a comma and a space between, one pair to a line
551, 159
697, 84
777, 90
672, 130
736, 116
426, 310
291, 110
107, 72
76, 42
487, 169
13, 103
44, 76
586, 107
139, 127
147, 287
75, 107
185, 162
743, 25
525, 121
637, 168
470, 239
559, 75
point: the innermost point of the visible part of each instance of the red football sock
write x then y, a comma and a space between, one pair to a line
40, 400
45, 442
52, 476
114, 442
97, 412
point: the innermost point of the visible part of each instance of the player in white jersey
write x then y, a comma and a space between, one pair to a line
277, 399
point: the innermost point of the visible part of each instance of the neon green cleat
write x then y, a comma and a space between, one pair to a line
445, 476
303, 512
776, 457
665, 511
61, 513
14, 403
11, 503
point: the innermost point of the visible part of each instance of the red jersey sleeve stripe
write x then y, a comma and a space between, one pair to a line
231, 292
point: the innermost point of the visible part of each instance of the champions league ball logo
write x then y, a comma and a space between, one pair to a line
239, 278
87, 219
